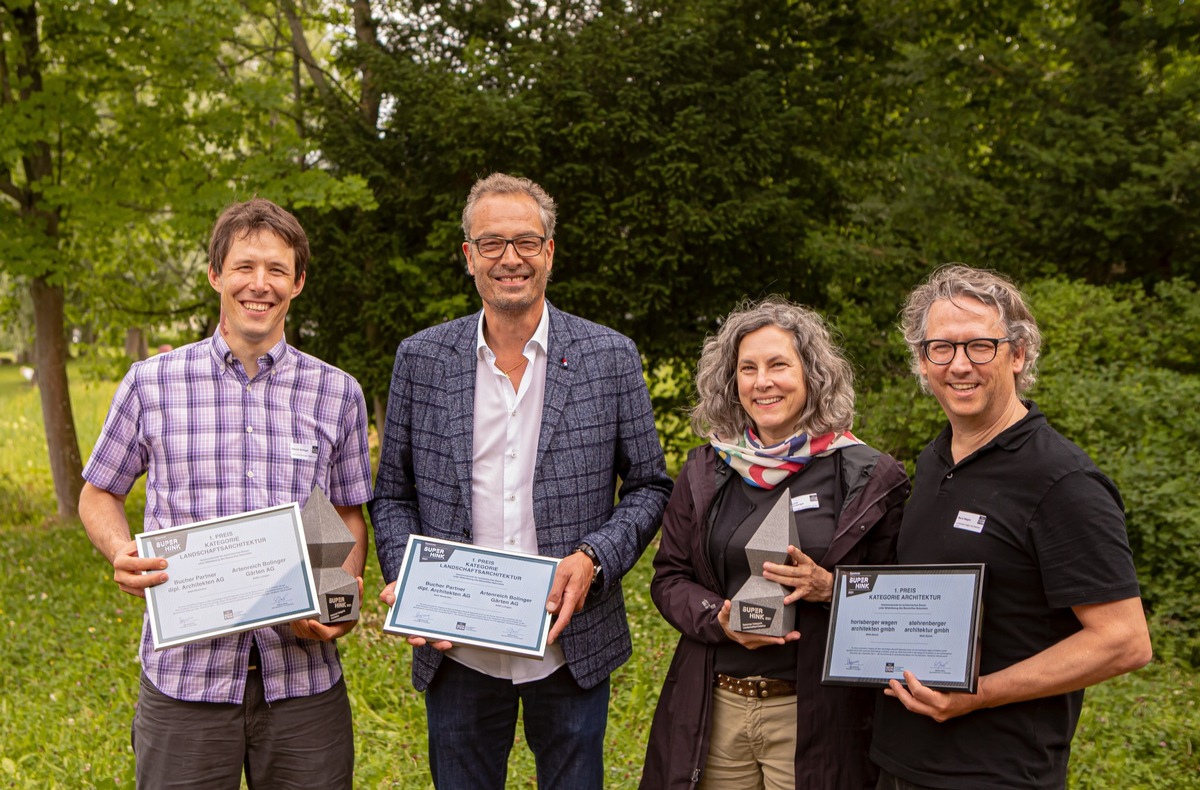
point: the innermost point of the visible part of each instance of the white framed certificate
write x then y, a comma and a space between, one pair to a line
886, 619
473, 595
229, 574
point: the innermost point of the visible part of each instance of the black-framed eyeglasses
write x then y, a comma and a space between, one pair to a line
494, 246
980, 350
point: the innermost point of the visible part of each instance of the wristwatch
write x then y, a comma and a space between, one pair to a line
587, 550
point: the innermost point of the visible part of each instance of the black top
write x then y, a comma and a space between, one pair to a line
1051, 529
738, 512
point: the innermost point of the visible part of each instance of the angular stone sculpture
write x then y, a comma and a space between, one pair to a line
758, 606
329, 544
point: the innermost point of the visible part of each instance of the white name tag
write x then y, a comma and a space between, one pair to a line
804, 502
304, 451
972, 522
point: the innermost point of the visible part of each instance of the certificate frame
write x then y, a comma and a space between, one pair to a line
230, 574
885, 619
473, 595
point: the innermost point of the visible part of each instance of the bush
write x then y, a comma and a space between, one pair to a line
1121, 377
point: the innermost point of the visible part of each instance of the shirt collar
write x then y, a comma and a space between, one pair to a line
274, 356
1010, 438
540, 338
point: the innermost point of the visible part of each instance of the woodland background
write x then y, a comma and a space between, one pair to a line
701, 152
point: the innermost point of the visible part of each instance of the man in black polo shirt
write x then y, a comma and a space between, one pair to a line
1000, 486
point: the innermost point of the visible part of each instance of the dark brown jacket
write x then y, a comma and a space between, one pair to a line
833, 722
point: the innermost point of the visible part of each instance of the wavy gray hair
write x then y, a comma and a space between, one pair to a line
828, 377
957, 281
504, 184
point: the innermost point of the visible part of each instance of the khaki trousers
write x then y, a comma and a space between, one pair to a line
753, 743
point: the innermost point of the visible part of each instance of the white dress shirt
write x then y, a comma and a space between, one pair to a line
507, 424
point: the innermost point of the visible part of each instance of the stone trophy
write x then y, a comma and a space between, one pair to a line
329, 544
758, 606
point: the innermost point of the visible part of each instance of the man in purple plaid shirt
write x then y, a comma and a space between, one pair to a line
237, 422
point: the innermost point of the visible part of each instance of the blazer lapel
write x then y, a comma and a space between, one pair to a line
560, 375
460, 390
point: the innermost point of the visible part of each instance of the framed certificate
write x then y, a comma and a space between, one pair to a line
228, 575
472, 595
886, 619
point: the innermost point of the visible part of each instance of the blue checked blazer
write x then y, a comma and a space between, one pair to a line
597, 427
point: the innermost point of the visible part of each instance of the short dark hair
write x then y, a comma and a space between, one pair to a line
239, 220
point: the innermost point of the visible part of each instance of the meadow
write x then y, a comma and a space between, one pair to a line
69, 651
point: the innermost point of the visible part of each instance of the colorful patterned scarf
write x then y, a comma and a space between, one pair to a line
766, 467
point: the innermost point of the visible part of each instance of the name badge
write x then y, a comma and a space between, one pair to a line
972, 522
304, 451
804, 502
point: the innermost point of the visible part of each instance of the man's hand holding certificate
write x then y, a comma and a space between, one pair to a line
228, 575
920, 618
471, 595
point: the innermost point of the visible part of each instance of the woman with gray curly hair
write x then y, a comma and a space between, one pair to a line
739, 708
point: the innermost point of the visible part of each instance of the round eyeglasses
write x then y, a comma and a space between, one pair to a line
980, 350
494, 246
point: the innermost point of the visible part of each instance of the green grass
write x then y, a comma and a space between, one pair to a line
69, 650
26, 488
71, 662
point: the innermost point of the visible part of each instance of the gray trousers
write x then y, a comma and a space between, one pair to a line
302, 742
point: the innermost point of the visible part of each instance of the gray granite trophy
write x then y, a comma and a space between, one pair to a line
758, 606
329, 544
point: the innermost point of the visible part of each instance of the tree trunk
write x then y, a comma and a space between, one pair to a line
380, 412
135, 344
368, 107
50, 357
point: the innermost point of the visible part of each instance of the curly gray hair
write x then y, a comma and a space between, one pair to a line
957, 281
504, 184
828, 377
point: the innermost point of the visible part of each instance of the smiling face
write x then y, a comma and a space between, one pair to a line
977, 399
257, 284
770, 380
509, 284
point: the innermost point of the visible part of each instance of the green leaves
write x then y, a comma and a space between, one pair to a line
1120, 377
150, 118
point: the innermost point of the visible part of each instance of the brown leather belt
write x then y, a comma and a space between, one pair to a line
755, 687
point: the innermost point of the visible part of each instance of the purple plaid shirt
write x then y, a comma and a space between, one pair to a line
213, 443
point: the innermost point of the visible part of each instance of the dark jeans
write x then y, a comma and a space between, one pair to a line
291, 744
472, 719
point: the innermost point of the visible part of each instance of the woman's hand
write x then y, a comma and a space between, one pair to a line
751, 641
810, 580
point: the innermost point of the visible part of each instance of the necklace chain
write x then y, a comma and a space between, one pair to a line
505, 373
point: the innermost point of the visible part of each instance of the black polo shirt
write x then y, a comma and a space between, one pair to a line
1051, 529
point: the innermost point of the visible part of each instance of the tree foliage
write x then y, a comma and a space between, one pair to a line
1057, 137
705, 151
124, 128
702, 152
1121, 376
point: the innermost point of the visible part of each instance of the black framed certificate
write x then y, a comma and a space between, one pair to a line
886, 619
230, 574
473, 595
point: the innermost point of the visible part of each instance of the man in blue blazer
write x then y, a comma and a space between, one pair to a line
511, 429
